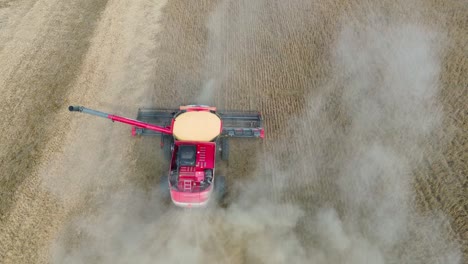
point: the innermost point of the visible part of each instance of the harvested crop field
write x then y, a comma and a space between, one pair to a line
365, 158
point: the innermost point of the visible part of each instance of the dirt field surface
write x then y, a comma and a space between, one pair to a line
365, 158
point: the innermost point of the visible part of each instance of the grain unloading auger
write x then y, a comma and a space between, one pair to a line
191, 138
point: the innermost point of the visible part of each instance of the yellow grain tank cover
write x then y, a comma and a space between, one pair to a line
201, 126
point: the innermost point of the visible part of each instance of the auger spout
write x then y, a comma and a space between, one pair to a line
121, 119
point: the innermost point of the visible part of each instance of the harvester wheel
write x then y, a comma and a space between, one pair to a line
164, 187
224, 149
168, 145
220, 187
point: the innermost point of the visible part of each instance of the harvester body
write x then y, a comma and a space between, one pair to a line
191, 138
191, 175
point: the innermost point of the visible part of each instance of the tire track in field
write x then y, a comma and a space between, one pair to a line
11, 15
42, 59
61, 186
40, 55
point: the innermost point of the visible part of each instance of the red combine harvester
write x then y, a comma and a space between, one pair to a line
191, 137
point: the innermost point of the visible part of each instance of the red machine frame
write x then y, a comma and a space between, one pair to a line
190, 184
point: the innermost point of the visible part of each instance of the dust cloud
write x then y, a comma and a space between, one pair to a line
337, 190
358, 144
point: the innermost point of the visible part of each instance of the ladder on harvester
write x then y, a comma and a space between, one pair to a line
187, 185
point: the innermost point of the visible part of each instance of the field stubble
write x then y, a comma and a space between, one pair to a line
364, 159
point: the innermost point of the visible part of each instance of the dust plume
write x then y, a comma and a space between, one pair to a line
358, 145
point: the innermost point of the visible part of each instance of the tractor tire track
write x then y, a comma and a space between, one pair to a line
52, 188
40, 61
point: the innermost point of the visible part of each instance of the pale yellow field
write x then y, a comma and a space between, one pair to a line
365, 104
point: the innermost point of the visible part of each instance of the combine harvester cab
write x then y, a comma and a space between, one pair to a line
191, 138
